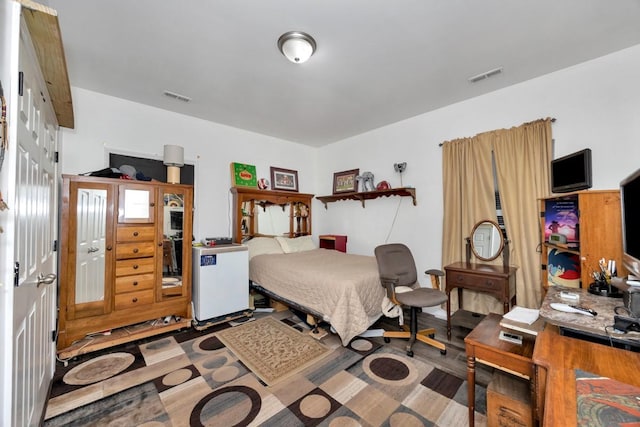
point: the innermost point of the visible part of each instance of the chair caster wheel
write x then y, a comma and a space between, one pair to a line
443, 352
387, 340
410, 353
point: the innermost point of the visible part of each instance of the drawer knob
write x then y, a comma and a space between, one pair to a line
135, 283
135, 234
152, 204
135, 300
135, 266
135, 250
109, 248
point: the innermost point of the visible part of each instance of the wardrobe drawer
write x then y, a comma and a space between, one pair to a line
135, 283
132, 299
137, 233
135, 250
128, 267
472, 281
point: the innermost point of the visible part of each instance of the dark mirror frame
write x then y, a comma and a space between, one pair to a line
470, 240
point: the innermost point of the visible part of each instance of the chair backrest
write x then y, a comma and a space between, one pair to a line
395, 259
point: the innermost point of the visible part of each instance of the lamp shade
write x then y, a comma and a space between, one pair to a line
296, 46
173, 155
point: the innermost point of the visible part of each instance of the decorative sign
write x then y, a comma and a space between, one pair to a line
243, 175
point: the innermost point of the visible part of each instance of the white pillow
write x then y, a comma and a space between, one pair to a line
263, 245
297, 244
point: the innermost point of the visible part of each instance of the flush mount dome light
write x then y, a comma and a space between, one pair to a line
296, 46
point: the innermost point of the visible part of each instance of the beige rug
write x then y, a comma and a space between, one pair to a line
271, 349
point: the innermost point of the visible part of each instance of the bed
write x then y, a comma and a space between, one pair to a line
341, 289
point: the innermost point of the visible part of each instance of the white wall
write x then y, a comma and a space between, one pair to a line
596, 104
106, 123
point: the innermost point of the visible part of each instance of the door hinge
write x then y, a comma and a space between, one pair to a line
20, 83
56, 157
53, 336
55, 246
16, 274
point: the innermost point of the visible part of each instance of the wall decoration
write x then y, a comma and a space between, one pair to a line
346, 181
284, 179
243, 175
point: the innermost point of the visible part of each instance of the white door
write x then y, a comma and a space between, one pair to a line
35, 232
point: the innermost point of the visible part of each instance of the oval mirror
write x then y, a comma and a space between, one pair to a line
487, 240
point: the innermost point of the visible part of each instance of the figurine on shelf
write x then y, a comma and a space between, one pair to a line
366, 181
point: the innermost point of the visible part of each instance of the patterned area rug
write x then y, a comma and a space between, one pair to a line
272, 350
193, 379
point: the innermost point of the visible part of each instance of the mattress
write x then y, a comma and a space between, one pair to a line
344, 288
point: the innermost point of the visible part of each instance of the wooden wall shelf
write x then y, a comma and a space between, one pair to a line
368, 195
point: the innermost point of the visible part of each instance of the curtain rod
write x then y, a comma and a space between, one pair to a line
553, 119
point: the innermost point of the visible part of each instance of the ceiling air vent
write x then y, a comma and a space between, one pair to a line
177, 96
485, 75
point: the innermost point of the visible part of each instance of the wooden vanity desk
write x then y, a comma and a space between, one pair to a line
497, 280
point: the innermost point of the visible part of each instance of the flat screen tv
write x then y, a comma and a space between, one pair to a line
571, 172
630, 203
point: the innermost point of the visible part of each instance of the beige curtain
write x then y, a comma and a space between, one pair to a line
522, 155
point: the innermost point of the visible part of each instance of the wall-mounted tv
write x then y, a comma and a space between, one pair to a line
630, 201
571, 172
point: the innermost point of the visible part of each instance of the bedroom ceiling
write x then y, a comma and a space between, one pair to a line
377, 61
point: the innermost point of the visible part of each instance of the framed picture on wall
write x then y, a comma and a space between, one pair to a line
345, 181
243, 175
284, 179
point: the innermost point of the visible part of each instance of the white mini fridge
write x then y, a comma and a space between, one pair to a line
220, 281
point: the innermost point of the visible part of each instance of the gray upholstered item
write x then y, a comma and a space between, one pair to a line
397, 268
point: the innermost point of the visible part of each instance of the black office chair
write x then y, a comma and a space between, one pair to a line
398, 269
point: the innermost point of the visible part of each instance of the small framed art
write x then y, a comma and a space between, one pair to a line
345, 181
284, 179
243, 175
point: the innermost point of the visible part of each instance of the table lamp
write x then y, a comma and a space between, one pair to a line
173, 160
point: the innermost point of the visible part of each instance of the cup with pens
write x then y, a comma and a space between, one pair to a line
602, 280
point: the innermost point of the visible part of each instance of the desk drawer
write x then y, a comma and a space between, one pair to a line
133, 299
128, 267
473, 281
135, 250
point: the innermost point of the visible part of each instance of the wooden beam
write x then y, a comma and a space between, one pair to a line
44, 29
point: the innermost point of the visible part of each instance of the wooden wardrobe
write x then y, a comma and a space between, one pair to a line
123, 261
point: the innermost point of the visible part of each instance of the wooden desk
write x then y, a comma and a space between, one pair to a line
556, 357
496, 280
483, 345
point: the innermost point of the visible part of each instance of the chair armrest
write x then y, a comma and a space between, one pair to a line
389, 283
435, 277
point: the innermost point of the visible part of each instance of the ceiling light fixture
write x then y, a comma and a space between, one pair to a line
297, 46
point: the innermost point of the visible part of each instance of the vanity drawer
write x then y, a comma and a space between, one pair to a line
138, 282
136, 233
135, 250
131, 299
128, 267
472, 281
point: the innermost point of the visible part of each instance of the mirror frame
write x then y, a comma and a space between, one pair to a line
502, 240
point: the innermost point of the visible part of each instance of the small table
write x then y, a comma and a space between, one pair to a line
333, 241
483, 345
497, 280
